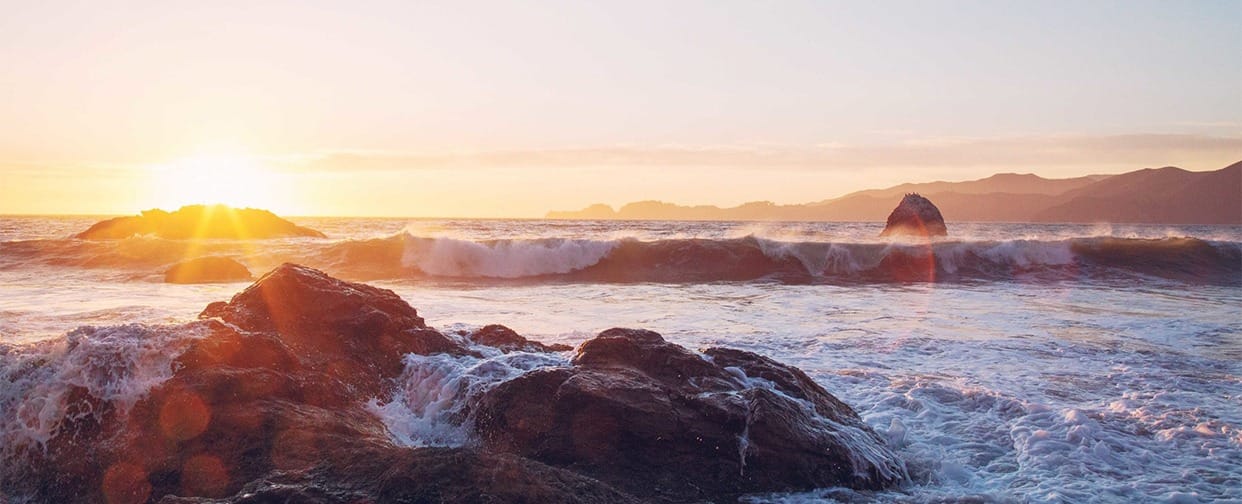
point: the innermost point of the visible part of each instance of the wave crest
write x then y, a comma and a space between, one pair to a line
674, 260
448, 257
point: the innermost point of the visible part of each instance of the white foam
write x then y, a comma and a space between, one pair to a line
827, 258
433, 390
951, 256
1027, 253
118, 364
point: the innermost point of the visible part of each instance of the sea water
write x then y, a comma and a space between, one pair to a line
1007, 362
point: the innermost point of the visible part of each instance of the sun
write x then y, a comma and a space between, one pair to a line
234, 180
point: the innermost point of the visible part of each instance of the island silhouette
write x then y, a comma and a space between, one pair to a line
199, 221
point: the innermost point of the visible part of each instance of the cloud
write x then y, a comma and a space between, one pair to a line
60, 170
1029, 151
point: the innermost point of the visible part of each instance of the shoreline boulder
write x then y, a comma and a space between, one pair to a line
664, 423
358, 331
915, 216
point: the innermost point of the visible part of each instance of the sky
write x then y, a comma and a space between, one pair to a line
511, 109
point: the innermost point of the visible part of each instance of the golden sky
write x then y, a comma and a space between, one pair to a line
501, 109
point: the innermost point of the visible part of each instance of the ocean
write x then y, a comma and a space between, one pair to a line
1004, 363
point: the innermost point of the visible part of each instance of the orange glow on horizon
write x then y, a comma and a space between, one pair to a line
235, 180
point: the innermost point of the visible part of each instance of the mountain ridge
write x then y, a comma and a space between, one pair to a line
1167, 195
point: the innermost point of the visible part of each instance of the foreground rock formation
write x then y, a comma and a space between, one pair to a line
651, 417
267, 401
915, 216
207, 270
199, 221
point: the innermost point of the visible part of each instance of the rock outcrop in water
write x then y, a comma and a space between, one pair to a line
268, 397
508, 340
915, 216
199, 222
207, 270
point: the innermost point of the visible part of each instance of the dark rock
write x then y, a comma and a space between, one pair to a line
342, 323
199, 221
661, 422
441, 475
207, 270
508, 340
915, 216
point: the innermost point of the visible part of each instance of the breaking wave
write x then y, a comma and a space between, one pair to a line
678, 260
46, 383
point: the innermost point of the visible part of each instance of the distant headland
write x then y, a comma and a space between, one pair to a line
1166, 195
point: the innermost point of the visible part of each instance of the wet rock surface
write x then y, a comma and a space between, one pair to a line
354, 330
915, 216
267, 401
508, 340
661, 422
207, 270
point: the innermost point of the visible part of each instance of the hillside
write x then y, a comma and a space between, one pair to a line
1007, 183
1160, 196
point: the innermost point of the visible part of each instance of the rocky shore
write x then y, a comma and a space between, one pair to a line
267, 398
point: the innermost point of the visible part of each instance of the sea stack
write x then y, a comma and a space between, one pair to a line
915, 216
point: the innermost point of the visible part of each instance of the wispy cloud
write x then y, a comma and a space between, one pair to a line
1052, 150
58, 169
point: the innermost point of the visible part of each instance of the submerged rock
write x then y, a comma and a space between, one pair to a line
508, 340
271, 398
915, 216
661, 422
207, 270
199, 222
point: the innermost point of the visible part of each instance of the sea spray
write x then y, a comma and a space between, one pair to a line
430, 403
448, 257
117, 365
